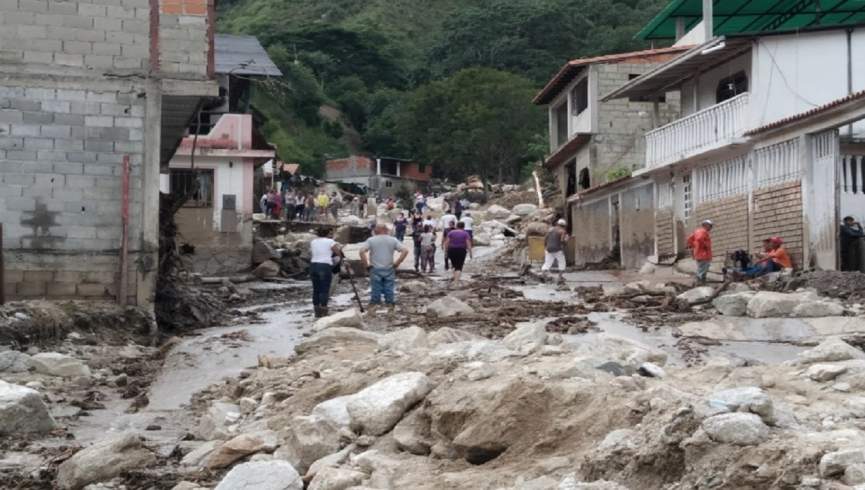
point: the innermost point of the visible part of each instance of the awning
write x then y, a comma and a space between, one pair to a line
567, 151
756, 16
672, 73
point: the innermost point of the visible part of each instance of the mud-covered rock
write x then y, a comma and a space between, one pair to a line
336, 336
103, 461
23, 411
405, 340
696, 295
825, 372
311, 438
331, 478
261, 252
348, 318
449, 306
377, 408
216, 421
448, 335
831, 350
735, 304
497, 212
745, 399
266, 270
527, 338
834, 463
12, 361
523, 210
242, 446
412, 433
742, 429
62, 365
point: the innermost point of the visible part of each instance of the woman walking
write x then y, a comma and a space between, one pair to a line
458, 244
323, 249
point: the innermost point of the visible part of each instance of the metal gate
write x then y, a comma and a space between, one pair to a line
823, 215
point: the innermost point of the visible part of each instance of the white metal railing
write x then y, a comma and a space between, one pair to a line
690, 135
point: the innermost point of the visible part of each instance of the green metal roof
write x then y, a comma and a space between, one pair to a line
733, 17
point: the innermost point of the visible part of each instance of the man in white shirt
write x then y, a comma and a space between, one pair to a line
449, 221
323, 249
469, 222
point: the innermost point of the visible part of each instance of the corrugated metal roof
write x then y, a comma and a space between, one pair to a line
669, 75
570, 70
756, 16
809, 113
242, 55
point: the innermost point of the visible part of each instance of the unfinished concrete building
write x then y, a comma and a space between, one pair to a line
94, 97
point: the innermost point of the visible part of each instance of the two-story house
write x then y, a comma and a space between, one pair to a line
772, 101
595, 143
95, 96
215, 224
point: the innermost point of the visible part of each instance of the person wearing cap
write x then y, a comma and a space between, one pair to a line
700, 243
554, 246
774, 259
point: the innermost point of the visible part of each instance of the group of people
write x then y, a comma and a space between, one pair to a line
773, 258
293, 205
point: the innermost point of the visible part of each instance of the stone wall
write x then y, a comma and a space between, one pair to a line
777, 211
730, 216
619, 141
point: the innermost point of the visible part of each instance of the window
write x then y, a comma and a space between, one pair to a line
197, 184
661, 98
580, 95
388, 183
389, 167
560, 114
585, 180
687, 199
731, 86
572, 178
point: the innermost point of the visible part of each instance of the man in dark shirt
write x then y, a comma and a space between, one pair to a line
851, 243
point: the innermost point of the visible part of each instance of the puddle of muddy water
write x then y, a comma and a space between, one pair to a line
544, 292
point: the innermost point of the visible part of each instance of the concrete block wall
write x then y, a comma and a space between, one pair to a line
619, 140
184, 37
777, 211
60, 184
591, 231
87, 35
731, 219
665, 232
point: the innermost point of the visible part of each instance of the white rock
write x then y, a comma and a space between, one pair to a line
311, 438
22, 410
197, 456
831, 350
412, 434
448, 335
647, 269
104, 460
56, 364
449, 306
522, 210
527, 338
735, 304
497, 212
834, 463
215, 423
816, 309
330, 478
377, 408
746, 399
262, 475
348, 318
854, 475
405, 340
247, 405
12, 361
619, 440
743, 429
825, 372
651, 370
333, 460
334, 411
336, 336
696, 295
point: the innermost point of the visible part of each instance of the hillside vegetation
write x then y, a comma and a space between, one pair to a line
447, 82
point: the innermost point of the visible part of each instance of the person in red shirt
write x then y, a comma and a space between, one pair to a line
774, 259
700, 243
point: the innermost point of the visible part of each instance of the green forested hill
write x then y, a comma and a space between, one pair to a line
446, 81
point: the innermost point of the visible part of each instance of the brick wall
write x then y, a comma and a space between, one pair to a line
665, 232
353, 166
730, 216
777, 211
619, 140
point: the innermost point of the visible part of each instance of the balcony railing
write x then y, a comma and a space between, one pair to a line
704, 130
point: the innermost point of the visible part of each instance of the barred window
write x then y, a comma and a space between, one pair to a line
197, 184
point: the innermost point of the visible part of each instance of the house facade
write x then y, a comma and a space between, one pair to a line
594, 143
380, 175
769, 140
94, 99
215, 225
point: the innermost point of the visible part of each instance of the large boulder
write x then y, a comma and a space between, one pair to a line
412, 433
745, 399
733, 304
825, 372
347, 318
330, 478
56, 364
23, 411
836, 462
768, 304
523, 210
497, 212
742, 429
266, 270
311, 438
262, 475
405, 340
527, 338
696, 295
242, 446
449, 306
831, 350
261, 252
12, 361
215, 423
334, 411
103, 461
377, 408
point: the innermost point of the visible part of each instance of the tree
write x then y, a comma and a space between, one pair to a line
478, 121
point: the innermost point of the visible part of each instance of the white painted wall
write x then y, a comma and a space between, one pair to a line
797, 72
706, 86
226, 180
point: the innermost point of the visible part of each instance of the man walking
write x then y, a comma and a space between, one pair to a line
377, 255
700, 243
554, 247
